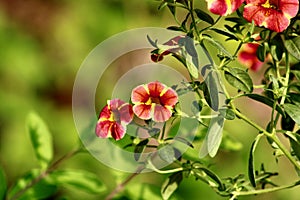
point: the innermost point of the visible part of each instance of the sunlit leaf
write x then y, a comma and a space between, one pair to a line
41, 139
213, 137
170, 185
293, 111
218, 45
239, 79
167, 153
192, 65
293, 46
214, 177
78, 179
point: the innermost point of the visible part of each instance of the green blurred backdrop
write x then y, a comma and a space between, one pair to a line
42, 45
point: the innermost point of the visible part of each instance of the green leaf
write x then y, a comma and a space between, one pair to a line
227, 113
175, 28
293, 111
225, 33
3, 185
140, 148
191, 64
239, 79
204, 16
40, 190
295, 143
170, 185
293, 46
167, 153
214, 177
266, 101
78, 179
211, 91
261, 52
217, 45
41, 139
296, 73
213, 137
251, 167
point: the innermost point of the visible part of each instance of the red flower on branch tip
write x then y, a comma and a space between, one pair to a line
153, 101
272, 14
158, 54
223, 7
113, 119
248, 56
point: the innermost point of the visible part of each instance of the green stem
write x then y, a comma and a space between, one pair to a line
45, 173
263, 191
152, 167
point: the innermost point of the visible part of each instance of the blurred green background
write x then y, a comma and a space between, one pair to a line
42, 45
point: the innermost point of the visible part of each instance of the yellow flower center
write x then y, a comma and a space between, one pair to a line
269, 5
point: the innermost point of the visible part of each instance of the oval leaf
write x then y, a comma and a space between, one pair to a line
191, 64
293, 111
204, 16
81, 180
239, 79
41, 139
218, 45
211, 91
167, 153
170, 185
293, 46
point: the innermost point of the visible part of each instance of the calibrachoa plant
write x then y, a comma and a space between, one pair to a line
265, 36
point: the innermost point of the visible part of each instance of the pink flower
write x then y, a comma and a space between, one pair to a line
223, 7
248, 56
272, 14
153, 101
158, 54
113, 119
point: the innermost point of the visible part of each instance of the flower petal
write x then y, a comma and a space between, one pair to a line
126, 113
118, 131
155, 88
169, 98
223, 7
161, 113
103, 128
105, 114
140, 94
143, 111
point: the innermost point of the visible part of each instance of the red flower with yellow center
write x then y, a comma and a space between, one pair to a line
113, 119
153, 101
223, 7
248, 56
272, 14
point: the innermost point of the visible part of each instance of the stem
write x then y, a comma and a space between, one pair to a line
262, 191
151, 166
45, 173
121, 186
193, 17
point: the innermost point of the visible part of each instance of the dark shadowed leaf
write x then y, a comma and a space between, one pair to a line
293, 46
293, 111
175, 28
214, 177
239, 79
78, 179
170, 185
41, 139
295, 143
225, 33
204, 16
261, 52
251, 167
211, 91
3, 185
138, 150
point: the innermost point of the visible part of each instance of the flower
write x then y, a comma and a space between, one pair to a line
153, 101
223, 7
248, 56
113, 119
272, 14
170, 46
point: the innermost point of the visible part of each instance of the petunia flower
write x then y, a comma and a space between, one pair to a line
113, 119
272, 14
248, 56
153, 101
168, 47
223, 7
